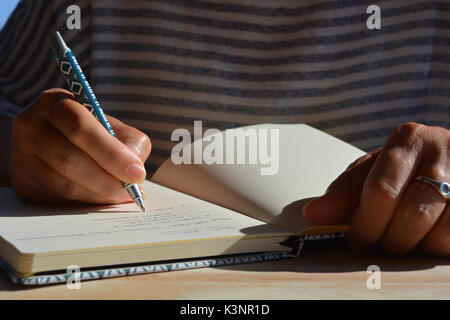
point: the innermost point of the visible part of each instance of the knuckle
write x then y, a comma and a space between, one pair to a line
438, 172
78, 126
407, 132
46, 96
44, 104
396, 157
47, 100
54, 104
65, 162
55, 94
385, 189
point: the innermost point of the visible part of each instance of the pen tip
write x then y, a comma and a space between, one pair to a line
142, 208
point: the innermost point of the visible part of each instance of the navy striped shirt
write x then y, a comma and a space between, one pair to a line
159, 65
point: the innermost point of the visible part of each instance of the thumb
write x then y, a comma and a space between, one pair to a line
343, 194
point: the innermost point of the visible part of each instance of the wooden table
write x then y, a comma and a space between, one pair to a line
322, 272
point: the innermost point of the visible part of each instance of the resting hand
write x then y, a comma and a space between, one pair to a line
382, 202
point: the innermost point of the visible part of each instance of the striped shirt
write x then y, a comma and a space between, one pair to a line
159, 65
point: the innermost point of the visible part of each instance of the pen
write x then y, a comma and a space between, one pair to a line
80, 87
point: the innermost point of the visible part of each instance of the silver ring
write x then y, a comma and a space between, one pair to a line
442, 187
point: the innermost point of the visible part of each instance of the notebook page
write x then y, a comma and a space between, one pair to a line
170, 216
309, 160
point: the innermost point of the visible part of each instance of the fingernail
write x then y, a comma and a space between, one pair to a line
136, 173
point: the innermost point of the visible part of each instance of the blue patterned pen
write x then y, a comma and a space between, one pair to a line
80, 87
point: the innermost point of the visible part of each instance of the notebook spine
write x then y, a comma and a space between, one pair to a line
62, 277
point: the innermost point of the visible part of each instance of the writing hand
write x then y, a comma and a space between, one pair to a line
62, 154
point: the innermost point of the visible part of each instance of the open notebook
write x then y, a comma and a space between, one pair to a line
220, 214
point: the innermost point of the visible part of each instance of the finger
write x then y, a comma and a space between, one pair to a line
437, 241
75, 165
385, 185
135, 139
78, 125
418, 211
49, 186
343, 194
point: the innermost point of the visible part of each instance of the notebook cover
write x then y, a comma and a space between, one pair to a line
296, 242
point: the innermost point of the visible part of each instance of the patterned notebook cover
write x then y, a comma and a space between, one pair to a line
296, 242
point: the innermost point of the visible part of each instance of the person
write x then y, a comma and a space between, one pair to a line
160, 65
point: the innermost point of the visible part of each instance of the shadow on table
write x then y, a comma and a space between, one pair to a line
334, 255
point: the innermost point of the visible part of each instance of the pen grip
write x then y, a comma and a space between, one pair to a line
80, 87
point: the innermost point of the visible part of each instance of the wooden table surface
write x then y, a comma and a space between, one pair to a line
322, 272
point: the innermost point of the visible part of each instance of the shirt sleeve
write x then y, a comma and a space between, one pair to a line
9, 109
25, 55
9, 34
